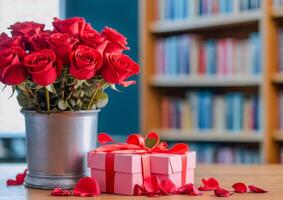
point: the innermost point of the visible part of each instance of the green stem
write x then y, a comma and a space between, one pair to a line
94, 94
47, 100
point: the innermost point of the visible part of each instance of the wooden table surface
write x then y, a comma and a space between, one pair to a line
270, 177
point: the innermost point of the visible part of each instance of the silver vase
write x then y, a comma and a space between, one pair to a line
57, 146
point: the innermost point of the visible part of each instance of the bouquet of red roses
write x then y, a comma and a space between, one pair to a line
67, 68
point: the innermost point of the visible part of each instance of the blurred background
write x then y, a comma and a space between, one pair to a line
211, 74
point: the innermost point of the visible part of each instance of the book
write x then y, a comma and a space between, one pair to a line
231, 112
172, 10
192, 55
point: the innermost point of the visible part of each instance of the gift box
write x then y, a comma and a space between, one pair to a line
118, 172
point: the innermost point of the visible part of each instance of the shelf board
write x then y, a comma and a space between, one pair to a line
4, 135
205, 22
278, 136
277, 12
207, 81
277, 78
210, 136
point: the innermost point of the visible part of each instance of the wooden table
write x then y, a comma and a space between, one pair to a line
270, 177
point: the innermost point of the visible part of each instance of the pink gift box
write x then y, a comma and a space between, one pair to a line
128, 169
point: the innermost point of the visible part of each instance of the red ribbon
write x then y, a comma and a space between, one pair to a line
137, 144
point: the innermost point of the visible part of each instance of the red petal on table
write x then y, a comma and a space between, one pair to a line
256, 189
60, 192
151, 185
86, 186
209, 184
104, 138
20, 179
167, 187
189, 189
138, 190
220, 192
239, 187
152, 139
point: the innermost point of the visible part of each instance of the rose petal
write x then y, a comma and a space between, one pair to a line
256, 189
20, 179
86, 186
60, 192
240, 187
151, 185
209, 184
189, 189
167, 187
220, 192
138, 190
104, 138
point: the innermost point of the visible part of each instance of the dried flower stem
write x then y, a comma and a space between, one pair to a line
47, 100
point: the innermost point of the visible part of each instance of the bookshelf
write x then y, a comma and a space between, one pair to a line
207, 81
267, 20
212, 136
205, 23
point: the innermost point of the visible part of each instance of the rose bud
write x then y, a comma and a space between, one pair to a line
42, 66
7, 42
118, 68
73, 26
117, 42
12, 71
62, 44
26, 28
85, 62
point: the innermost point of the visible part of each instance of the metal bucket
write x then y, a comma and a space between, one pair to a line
57, 146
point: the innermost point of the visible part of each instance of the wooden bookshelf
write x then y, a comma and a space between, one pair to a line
277, 12
207, 81
266, 22
278, 136
210, 136
277, 78
206, 23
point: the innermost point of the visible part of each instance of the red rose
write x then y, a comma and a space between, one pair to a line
42, 67
117, 42
73, 26
118, 68
91, 38
12, 71
6, 41
62, 44
85, 62
26, 28
38, 41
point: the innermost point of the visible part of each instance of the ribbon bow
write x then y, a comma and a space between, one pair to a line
136, 143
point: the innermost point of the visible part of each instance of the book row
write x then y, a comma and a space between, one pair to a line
214, 153
281, 155
204, 110
278, 3
184, 55
280, 49
187, 9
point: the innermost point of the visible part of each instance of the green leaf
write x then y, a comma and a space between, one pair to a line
51, 88
5, 86
22, 86
113, 87
78, 83
13, 91
62, 104
102, 99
